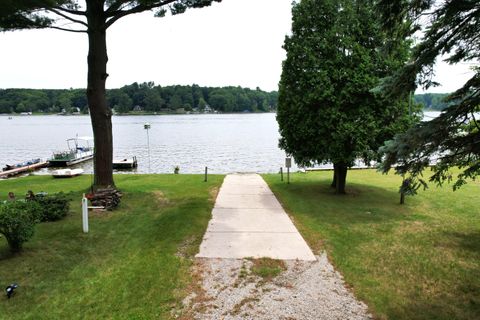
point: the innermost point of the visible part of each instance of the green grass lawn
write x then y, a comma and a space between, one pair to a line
416, 261
131, 265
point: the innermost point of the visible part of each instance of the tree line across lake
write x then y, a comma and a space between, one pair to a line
143, 97
432, 101
150, 98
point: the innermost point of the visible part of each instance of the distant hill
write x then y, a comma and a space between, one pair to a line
432, 101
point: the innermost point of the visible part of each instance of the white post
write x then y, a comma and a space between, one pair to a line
85, 214
146, 126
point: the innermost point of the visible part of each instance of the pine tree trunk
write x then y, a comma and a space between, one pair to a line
100, 114
340, 177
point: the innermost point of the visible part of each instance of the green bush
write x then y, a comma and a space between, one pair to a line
17, 222
54, 207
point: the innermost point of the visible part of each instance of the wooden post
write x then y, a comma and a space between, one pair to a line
206, 173
281, 174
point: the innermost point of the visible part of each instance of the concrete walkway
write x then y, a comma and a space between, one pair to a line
248, 221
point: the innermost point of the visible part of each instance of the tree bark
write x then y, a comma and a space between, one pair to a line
100, 114
334, 180
340, 170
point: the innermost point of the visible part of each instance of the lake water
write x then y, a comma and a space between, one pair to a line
224, 143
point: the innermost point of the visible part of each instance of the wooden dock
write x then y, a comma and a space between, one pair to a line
17, 171
127, 163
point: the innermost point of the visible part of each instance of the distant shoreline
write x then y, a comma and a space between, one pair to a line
130, 114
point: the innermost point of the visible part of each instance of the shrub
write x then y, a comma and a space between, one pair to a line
54, 207
17, 222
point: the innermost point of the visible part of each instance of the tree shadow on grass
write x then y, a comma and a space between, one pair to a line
462, 240
370, 236
363, 203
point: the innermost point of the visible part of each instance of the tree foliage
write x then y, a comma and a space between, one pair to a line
453, 139
327, 110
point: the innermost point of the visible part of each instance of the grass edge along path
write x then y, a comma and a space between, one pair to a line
133, 264
416, 261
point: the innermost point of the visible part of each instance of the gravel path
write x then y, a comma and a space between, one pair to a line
227, 289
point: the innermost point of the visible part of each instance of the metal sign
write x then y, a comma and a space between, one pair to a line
288, 162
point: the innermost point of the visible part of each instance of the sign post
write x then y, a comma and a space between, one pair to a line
288, 164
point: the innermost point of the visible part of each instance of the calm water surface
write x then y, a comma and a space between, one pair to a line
224, 143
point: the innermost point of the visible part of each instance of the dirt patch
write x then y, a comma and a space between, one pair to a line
187, 248
231, 289
213, 193
160, 198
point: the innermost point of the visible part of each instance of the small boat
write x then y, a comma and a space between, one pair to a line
125, 163
9, 167
23, 167
79, 149
67, 173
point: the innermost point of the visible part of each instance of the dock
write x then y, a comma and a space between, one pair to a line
127, 163
17, 171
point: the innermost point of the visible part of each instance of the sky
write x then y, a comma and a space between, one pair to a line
232, 43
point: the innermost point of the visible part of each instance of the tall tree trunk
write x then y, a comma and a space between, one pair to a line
100, 114
340, 177
334, 180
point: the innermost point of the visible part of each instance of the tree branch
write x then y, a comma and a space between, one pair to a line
69, 30
74, 12
140, 8
68, 17
115, 6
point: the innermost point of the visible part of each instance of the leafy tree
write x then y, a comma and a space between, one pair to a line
175, 102
202, 104
64, 101
453, 139
119, 100
93, 19
327, 112
153, 100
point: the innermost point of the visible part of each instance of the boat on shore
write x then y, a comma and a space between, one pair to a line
125, 163
79, 149
67, 173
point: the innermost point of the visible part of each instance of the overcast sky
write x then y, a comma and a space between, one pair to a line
235, 42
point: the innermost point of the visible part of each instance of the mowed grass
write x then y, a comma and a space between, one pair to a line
416, 261
133, 264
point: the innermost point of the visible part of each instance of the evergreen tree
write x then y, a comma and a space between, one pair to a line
452, 139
